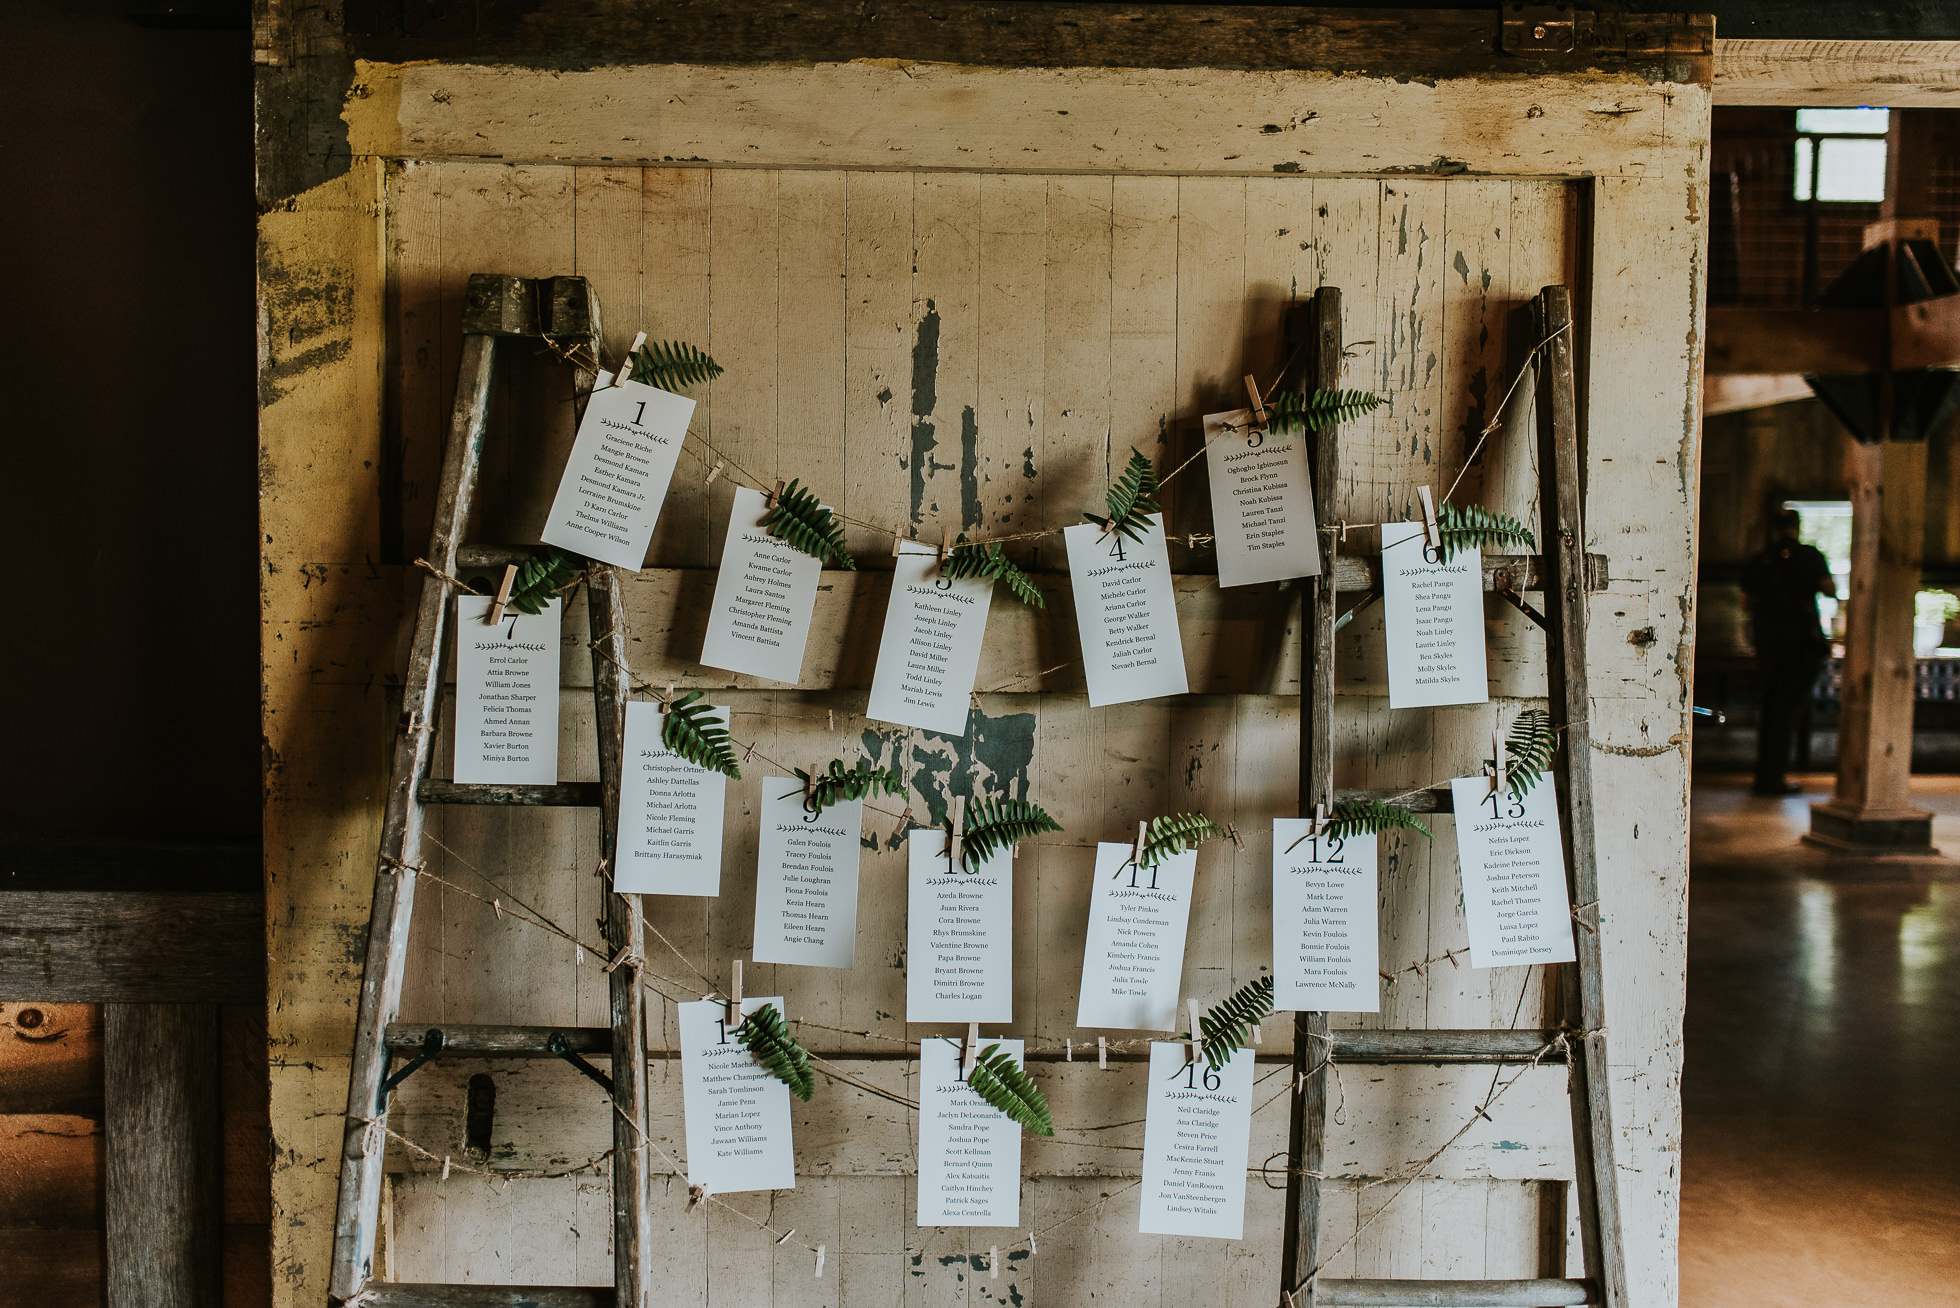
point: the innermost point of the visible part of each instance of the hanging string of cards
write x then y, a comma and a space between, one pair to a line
738, 1064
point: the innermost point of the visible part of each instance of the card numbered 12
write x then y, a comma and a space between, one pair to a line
1326, 943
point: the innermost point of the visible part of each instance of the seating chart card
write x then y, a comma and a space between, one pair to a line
764, 593
806, 878
959, 953
1326, 944
969, 1151
506, 694
1515, 900
1197, 1124
1133, 960
930, 652
737, 1112
669, 813
617, 477
1435, 621
1261, 502
1125, 613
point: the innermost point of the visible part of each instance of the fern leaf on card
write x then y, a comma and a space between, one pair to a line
801, 522
1225, 1027
692, 731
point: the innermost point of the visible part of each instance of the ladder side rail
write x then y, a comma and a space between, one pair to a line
1581, 984
365, 1144
1319, 328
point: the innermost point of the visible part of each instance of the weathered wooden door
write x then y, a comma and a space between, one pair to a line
948, 293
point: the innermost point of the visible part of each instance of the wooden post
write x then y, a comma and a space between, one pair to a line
163, 1148
1319, 326
1581, 985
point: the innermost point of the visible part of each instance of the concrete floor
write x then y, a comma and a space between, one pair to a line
1821, 1101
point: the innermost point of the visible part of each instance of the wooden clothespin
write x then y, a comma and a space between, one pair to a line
1136, 850
810, 784
775, 495
784, 1237
945, 541
1068, 1051
1033, 1248
1232, 830
1102, 1052
1191, 1048
972, 1052
668, 703
626, 365
734, 1016
898, 540
1258, 405
1429, 527
1318, 821
1497, 761
715, 471
503, 595
993, 1261
958, 835
820, 1262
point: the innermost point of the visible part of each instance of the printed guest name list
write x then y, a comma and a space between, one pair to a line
1125, 613
670, 813
806, 878
959, 953
969, 1151
617, 477
934, 629
1434, 615
736, 1111
764, 593
1197, 1124
506, 694
1261, 502
1515, 901
1133, 958
1326, 945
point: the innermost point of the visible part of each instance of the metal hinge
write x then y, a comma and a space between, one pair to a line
1537, 29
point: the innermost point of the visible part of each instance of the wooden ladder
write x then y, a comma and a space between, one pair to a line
561, 311
1563, 573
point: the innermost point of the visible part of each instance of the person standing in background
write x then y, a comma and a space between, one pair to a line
1780, 587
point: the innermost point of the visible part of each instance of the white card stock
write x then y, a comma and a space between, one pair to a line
927, 658
959, 953
669, 813
969, 1151
1326, 945
760, 619
1133, 959
1261, 502
1435, 621
1125, 613
506, 694
1515, 901
806, 878
1196, 1126
737, 1112
618, 474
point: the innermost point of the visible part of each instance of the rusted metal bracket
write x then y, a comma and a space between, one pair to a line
1537, 29
431, 1046
1502, 586
1355, 612
561, 1045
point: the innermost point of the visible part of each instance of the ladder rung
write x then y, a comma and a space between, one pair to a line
1438, 1047
493, 556
1436, 799
499, 1041
408, 1294
565, 794
1452, 1294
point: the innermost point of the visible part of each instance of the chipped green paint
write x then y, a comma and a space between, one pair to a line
994, 758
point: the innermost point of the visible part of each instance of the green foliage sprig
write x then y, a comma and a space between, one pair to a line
1165, 837
1528, 750
1289, 412
1227, 1026
1131, 499
542, 578
692, 731
1367, 817
986, 559
672, 365
1476, 525
769, 1042
1005, 1084
801, 522
835, 785
996, 824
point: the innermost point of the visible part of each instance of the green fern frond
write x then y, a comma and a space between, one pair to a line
1227, 1026
986, 559
1366, 817
1289, 411
1528, 750
769, 1042
1005, 1084
1476, 525
696, 735
1164, 837
801, 522
835, 784
543, 578
996, 824
1131, 499
673, 365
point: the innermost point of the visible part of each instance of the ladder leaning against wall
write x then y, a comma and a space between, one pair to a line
500, 313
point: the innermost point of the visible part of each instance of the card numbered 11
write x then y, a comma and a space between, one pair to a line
1515, 901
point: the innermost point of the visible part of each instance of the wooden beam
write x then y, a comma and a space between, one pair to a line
163, 1205
1755, 342
1823, 73
1455, 1294
92, 947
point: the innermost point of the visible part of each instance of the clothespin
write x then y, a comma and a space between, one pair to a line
1232, 830
776, 494
898, 540
903, 818
820, 1262
993, 1261
1429, 527
830, 716
1102, 1052
1497, 761
1258, 405
1136, 850
1191, 1047
1033, 1248
959, 828
784, 1237
748, 752
945, 541
697, 1197
735, 998
1068, 1051
503, 595
715, 471
1319, 819
445, 1167
668, 703
810, 784
626, 368
972, 1053
1258, 1035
